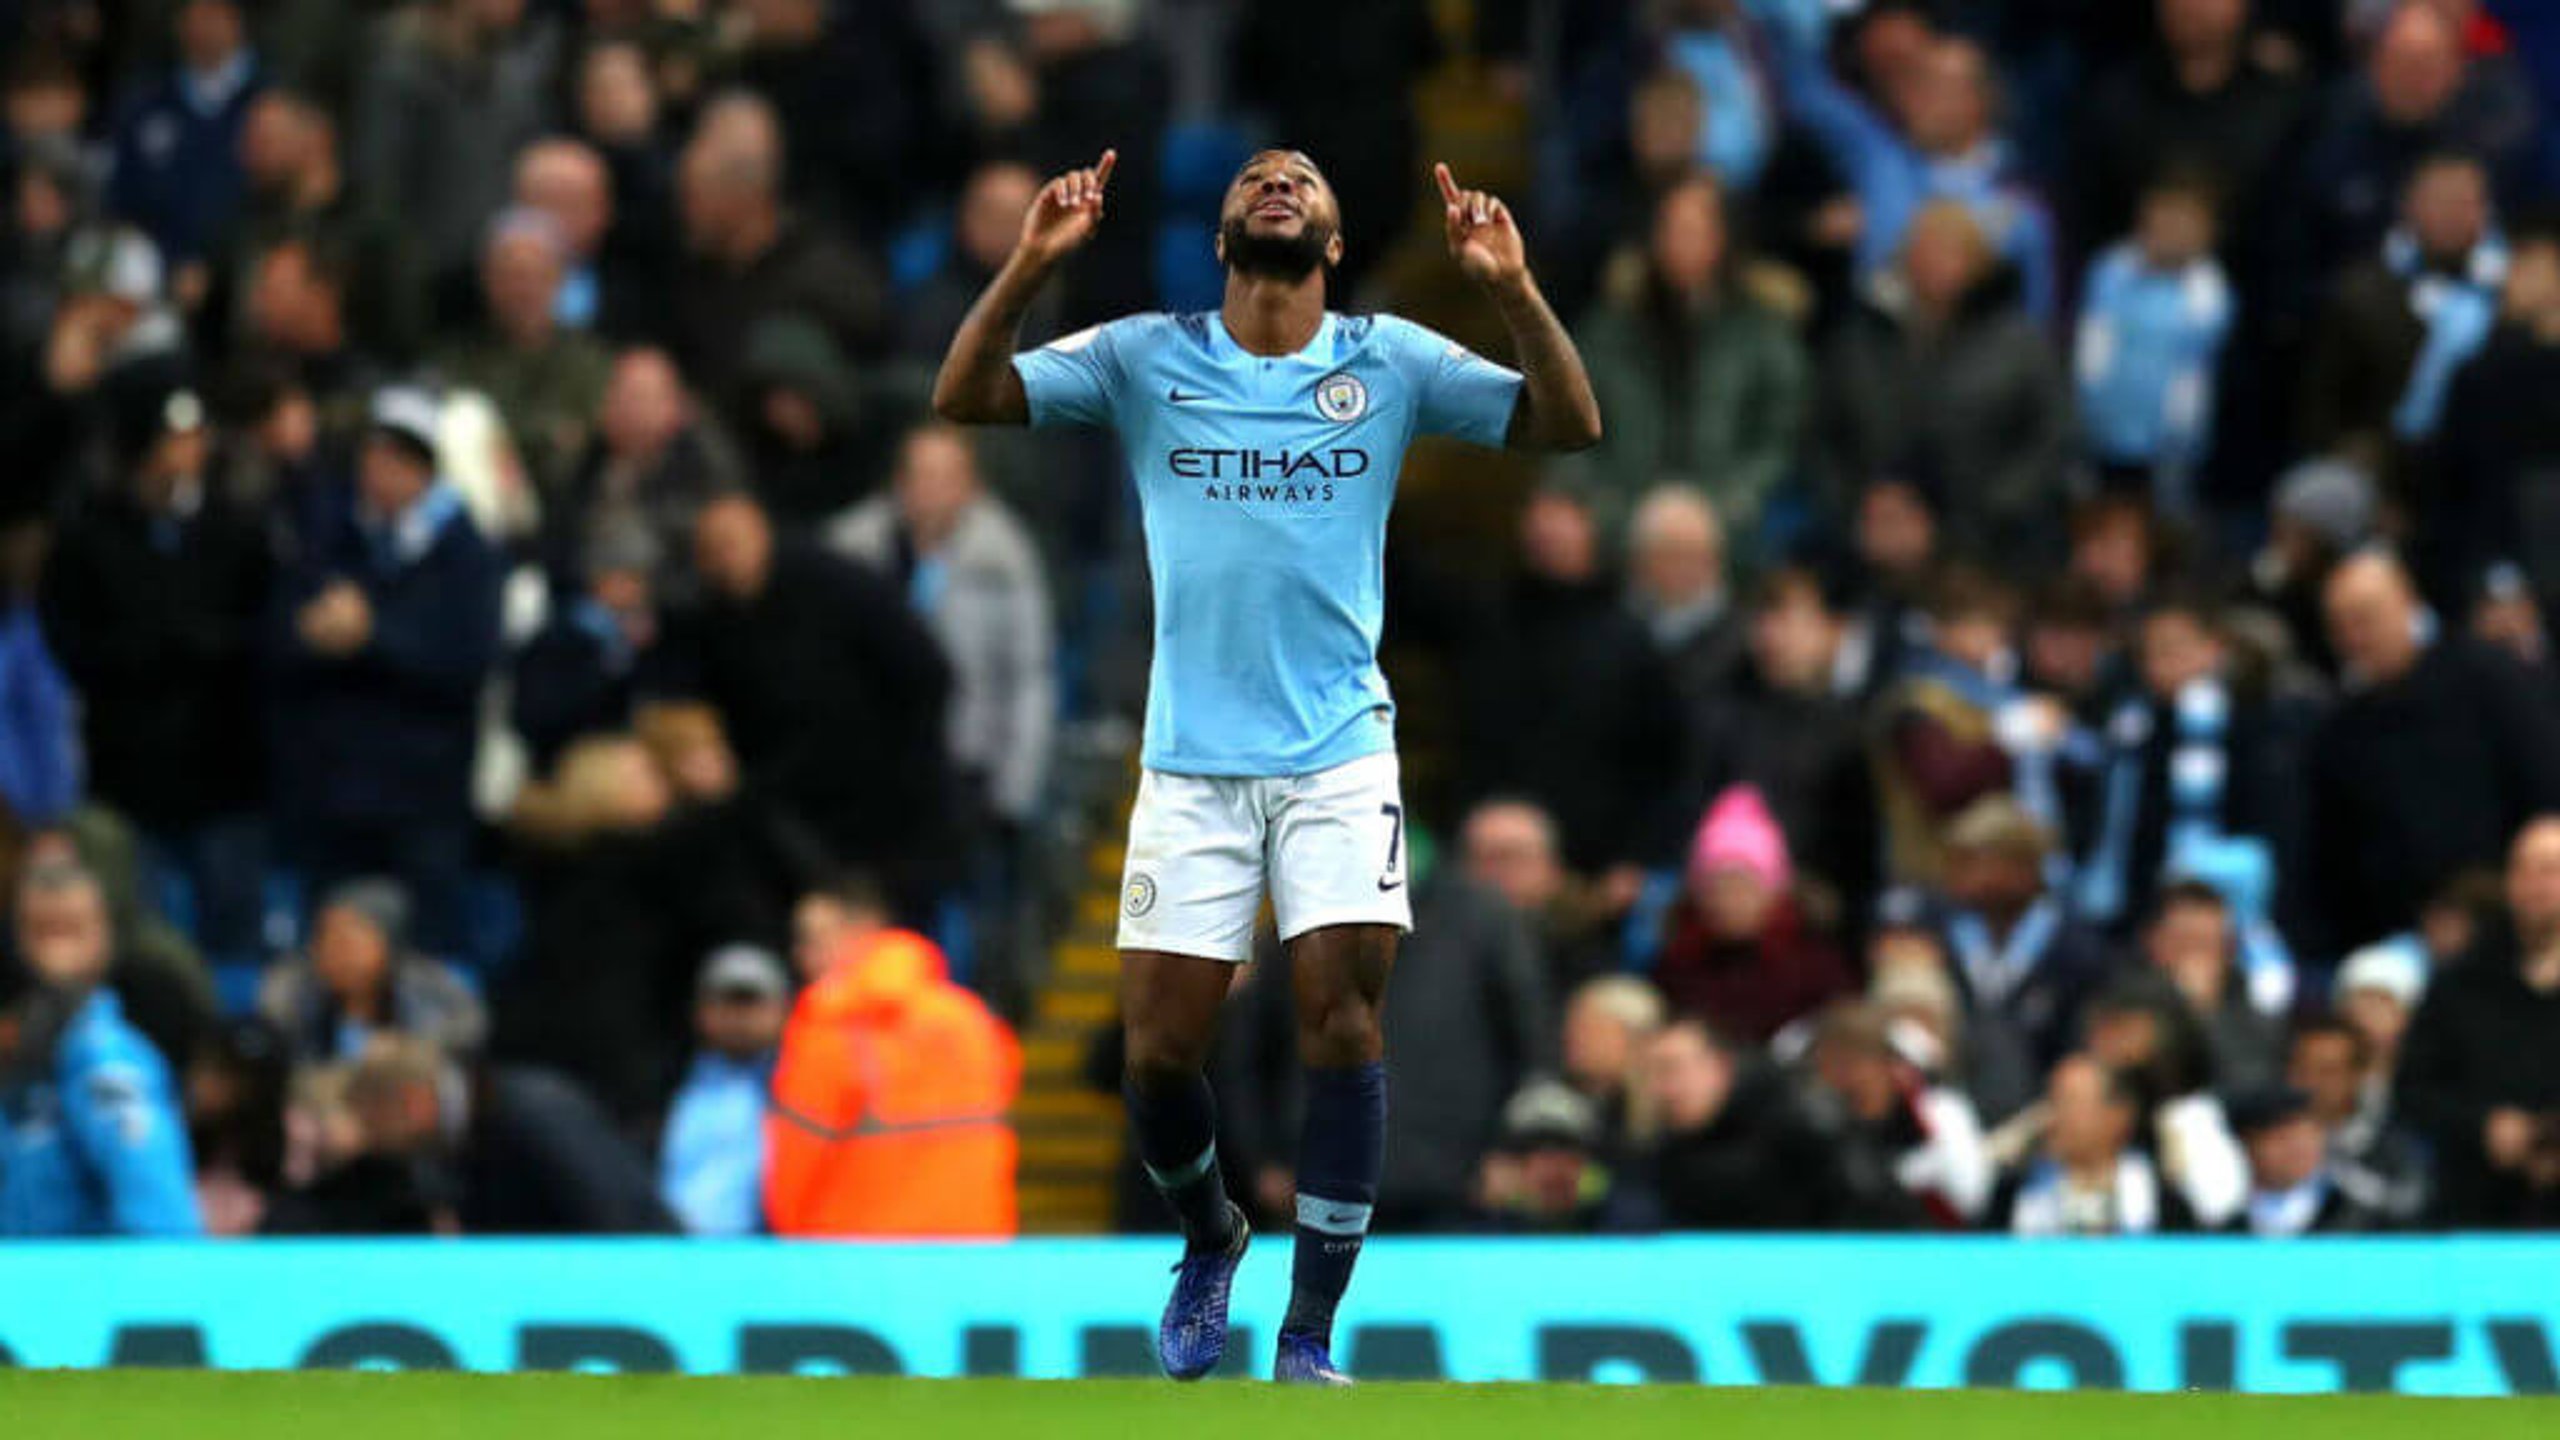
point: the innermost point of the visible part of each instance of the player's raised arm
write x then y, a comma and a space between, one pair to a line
1557, 410
977, 385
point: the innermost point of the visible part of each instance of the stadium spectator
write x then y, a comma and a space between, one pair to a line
2398, 327
1677, 586
2191, 939
2024, 965
1734, 1150
1943, 377
971, 572
2418, 94
450, 90
153, 600
97, 1141
983, 228
1741, 953
2204, 100
1609, 1025
656, 460
297, 188
1567, 703
584, 671
1704, 382
176, 167
2477, 1076
545, 378
890, 1100
1473, 1021
1911, 1152
1791, 733
2086, 1177
1940, 148
1947, 717
389, 630
1097, 85
358, 978
2372, 1157
487, 1150
76, 915
236, 1094
2497, 447
832, 692
2195, 758
752, 259
2141, 1027
2292, 1187
2436, 754
2157, 310
2322, 512
611, 265
805, 443
711, 1155
1509, 848
1545, 1175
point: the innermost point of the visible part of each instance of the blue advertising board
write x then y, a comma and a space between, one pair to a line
2448, 1316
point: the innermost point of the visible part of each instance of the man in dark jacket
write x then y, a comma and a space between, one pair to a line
1567, 703
2291, 1188
753, 259
833, 692
2479, 1072
2497, 472
2202, 101
1736, 1152
388, 631
2437, 753
500, 1150
2022, 963
582, 673
153, 599
177, 144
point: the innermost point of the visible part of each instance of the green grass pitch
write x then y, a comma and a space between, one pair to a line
339, 1406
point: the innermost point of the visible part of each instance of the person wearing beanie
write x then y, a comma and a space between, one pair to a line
358, 978
1740, 951
389, 630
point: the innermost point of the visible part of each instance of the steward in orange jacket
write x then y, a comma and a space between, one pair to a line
889, 1102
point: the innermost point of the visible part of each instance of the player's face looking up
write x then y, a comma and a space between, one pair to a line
1280, 219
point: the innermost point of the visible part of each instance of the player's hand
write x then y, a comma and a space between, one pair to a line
1482, 238
1066, 212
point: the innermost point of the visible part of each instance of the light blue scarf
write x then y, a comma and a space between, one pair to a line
2458, 311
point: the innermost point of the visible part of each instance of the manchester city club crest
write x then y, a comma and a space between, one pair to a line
1341, 398
1141, 895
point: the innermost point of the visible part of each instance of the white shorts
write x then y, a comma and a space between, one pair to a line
1201, 848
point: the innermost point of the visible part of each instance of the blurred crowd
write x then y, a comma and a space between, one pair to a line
2039, 715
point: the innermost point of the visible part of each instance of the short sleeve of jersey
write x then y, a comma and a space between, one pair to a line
1075, 379
1458, 393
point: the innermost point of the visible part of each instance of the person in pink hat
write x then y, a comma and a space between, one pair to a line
1740, 951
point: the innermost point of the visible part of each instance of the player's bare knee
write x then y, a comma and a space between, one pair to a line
1160, 1057
1342, 1031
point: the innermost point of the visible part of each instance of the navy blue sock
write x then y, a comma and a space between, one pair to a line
1177, 1125
1340, 1154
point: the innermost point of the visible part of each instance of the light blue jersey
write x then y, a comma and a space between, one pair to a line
1265, 484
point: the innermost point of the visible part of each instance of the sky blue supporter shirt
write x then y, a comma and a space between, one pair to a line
1265, 484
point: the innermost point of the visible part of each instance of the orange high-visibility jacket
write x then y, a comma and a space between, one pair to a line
889, 1103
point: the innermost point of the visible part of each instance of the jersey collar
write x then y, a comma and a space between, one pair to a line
1318, 351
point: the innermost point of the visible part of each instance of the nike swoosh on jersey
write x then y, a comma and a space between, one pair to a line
1174, 394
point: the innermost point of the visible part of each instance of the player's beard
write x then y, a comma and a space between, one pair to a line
1276, 257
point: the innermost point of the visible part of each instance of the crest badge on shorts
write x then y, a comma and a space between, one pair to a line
1341, 398
1141, 895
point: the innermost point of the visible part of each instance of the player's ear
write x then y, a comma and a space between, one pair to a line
1333, 251
1218, 244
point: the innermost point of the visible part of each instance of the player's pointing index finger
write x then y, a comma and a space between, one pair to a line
1448, 182
1102, 168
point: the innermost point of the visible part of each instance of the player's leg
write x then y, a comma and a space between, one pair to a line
1169, 1018
1189, 899
1339, 977
1338, 885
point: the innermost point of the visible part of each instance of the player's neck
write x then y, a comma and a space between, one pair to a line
1273, 317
